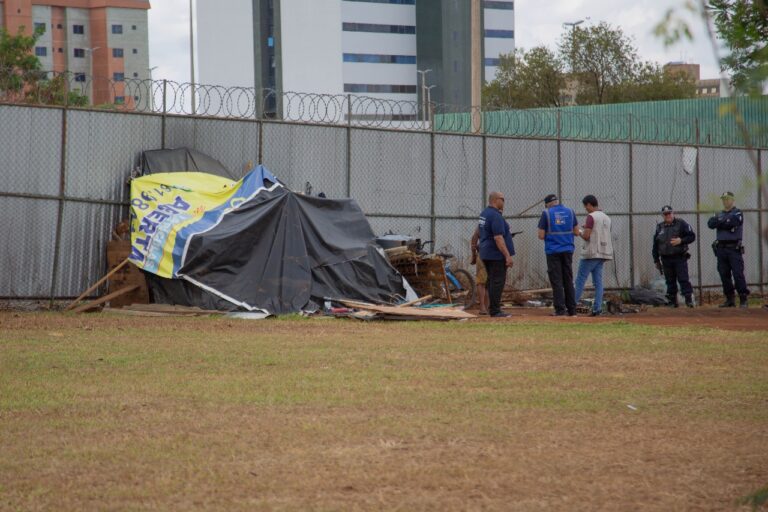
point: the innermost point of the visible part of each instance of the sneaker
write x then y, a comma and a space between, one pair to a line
596, 313
743, 302
729, 303
571, 313
689, 304
500, 315
557, 313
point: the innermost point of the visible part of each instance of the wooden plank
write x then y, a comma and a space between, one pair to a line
97, 283
175, 309
105, 298
415, 301
453, 314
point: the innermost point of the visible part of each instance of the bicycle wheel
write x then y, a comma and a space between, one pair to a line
466, 295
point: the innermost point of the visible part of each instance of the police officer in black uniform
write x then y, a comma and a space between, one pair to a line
670, 254
729, 251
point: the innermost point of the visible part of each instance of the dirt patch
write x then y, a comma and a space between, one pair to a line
733, 319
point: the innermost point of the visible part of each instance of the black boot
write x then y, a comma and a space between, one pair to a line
729, 303
671, 301
743, 302
689, 301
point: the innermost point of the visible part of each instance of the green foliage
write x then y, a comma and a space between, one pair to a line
743, 26
17, 61
525, 80
757, 499
603, 67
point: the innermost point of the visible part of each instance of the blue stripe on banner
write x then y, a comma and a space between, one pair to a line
250, 185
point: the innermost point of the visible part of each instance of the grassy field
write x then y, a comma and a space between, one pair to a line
104, 412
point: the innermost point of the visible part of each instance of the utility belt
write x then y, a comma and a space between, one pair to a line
727, 244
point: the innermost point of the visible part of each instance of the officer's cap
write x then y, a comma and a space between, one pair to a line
667, 209
550, 198
727, 194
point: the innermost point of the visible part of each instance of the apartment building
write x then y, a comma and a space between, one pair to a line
372, 48
101, 42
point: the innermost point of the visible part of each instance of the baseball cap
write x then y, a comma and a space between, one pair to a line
727, 194
550, 198
667, 209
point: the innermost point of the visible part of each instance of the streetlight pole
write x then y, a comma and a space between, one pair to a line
423, 74
90, 51
151, 90
573, 25
429, 101
192, 56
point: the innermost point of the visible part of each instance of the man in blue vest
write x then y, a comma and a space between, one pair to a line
557, 227
496, 250
729, 224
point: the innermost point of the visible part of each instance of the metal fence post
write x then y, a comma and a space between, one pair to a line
559, 158
698, 214
349, 145
485, 173
165, 110
631, 210
432, 220
760, 255
60, 214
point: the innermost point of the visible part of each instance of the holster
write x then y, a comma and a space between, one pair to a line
714, 247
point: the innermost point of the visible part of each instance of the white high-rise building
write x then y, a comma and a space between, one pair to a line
369, 48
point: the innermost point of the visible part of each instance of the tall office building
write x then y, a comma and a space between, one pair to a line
105, 39
363, 47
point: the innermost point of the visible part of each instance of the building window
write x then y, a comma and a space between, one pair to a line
117, 29
40, 27
380, 88
135, 98
61, 50
117, 53
455, 66
119, 100
79, 53
385, 29
492, 62
118, 77
505, 34
506, 6
133, 27
41, 51
399, 2
135, 75
78, 29
379, 59
79, 77
135, 51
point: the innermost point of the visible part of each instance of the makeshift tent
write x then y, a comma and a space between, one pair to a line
182, 160
253, 244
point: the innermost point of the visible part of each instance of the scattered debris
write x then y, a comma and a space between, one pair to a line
373, 311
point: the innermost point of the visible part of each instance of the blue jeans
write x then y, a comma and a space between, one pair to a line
592, 266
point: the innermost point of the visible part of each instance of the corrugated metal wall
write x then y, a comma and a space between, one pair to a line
706, 121
58, 218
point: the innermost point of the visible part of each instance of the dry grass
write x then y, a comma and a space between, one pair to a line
112, 413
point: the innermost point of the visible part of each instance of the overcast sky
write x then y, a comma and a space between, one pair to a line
538, 22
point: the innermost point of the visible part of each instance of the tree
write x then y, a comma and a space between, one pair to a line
600, 57
21, 79
526, 80
650, 82
743, 26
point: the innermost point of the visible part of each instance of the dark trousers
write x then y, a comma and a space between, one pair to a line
560, 271
497, 276
730, 262
676, 271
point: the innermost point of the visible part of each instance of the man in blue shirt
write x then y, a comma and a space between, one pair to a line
729, 224
496, 250
557, 227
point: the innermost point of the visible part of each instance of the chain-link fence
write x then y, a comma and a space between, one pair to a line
64, 172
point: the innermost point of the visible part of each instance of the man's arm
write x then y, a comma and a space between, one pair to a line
687, 236
543, 221
713, 222
473, 244
655, 252
542, 234
502, 246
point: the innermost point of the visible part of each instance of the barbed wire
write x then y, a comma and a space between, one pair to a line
76, 89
